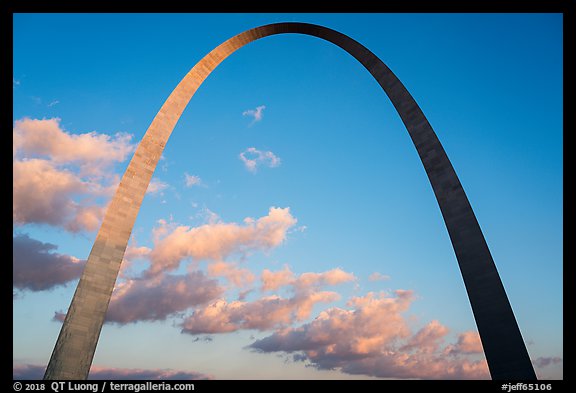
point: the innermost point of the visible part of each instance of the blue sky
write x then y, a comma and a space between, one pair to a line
332, 149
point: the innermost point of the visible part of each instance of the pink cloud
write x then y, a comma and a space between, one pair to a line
30, 371
44, 194
330, 277
57, 176
428, 339
59, 316
373, 338
238, 276
468, 343
157, 298
37, 267
133, 252
99, 372
268, 312
86, 218
47, 138
216, 241
262, 314
274, 280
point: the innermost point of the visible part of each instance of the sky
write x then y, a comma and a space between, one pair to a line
289, 231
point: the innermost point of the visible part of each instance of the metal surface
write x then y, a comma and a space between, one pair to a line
501, 338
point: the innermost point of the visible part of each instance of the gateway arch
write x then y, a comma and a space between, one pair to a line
502, 341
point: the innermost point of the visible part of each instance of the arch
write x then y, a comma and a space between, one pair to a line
504, 347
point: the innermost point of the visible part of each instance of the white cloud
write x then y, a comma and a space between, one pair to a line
253, 157
192, 180
156, 186
256, 114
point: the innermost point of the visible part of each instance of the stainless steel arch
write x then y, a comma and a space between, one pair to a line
501, 338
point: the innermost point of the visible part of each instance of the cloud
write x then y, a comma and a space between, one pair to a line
378, 277
428, 339
53, 103
46, 138
15, 82
253, 157
468, 343
58, 177
59, 316
271, 281
274, 280
37, 267
272, 311
44, 194
218, 240
133, 252
262, 314
156, 186
157, 298
542, 362
257, 114
29, 371
192, 180
330, 277
238, 276
373, 338
97, 372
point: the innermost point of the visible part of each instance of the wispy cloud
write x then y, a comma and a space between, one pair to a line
30, 371
378, 277
156, 186
109, 373
272, 281
542, 361
192, 180
252, 158
15, 82
53, 103
256, 114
